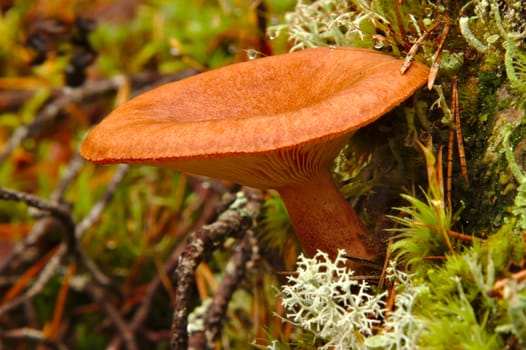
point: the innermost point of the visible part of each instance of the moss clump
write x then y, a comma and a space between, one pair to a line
460, 265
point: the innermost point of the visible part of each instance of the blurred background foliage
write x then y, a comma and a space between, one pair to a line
49, 49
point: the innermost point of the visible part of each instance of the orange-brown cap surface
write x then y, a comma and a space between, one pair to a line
263, 123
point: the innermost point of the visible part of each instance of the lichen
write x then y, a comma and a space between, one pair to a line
446, 296
326, 300
496, 25
435, 307
401, 327
378, 24
329, 22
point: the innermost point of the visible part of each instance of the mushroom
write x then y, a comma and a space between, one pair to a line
276, 122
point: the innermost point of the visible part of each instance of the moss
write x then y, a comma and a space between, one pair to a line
481, 49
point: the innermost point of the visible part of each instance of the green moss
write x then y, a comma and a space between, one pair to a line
457, 309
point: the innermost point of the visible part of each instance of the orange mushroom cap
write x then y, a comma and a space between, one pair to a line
263, 123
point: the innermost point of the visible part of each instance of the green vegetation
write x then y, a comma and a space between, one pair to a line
456, 275
451, 290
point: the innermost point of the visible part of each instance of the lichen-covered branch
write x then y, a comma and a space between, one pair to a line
234, 222
244, 255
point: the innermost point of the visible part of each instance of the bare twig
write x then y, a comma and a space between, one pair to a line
52, 110
99, 295
98, 208
71, 172
63, 214
90, 219
32, 334
44, 225
62, 98
209, 213
34, 201
244, 255
235, 221
56, 209
47, 273
66, 96
499, 285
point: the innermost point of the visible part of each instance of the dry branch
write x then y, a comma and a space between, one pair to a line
56, 212
33, 335
44, 225
244, 255
66, 96
63, 214
234, 222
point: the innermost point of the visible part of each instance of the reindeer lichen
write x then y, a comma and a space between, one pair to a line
325, 299
328, 22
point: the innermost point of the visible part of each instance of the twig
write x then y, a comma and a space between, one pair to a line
45, 224
437, 57
58, 210
33, 335
47, 273
97, 210
235, 221
52, 110
143, 310
71, 172
63, 214
34, 201
244, 255
144, 307
90, 219
66, 96
518, 277
62, 98
99, 295
418, 43
458, 129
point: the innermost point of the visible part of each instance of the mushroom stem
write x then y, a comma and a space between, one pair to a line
324, 220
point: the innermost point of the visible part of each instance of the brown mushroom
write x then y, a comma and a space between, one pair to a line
276, 122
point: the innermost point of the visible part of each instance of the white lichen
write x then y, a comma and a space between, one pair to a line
342, 312
325, 299
196, 317
514, 297
401, 327
329, 22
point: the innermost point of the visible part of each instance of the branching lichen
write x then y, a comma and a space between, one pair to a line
401, 327
328, 22
440, 306
514, 300
495, 25
326, 300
